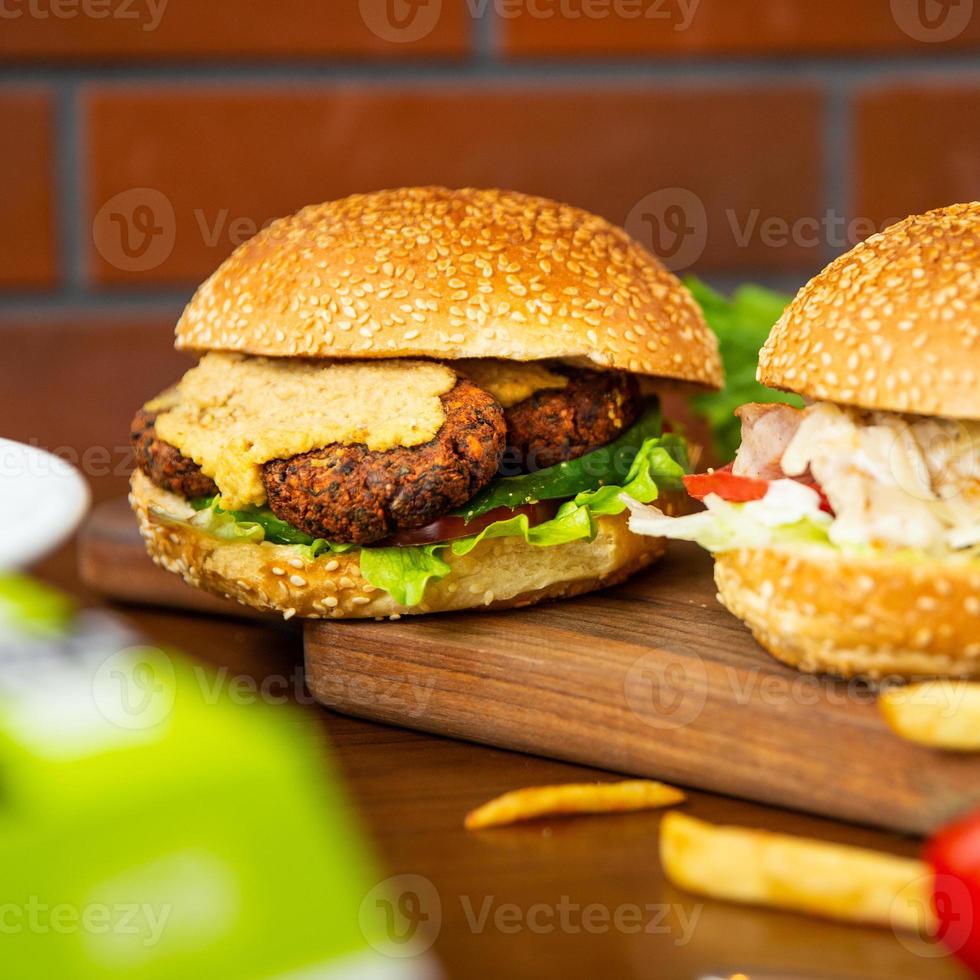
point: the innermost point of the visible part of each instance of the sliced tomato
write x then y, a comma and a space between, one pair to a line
741, 489
451, 527
728, 486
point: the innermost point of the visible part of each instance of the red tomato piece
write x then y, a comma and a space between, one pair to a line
954, 854
728, 486
450, 527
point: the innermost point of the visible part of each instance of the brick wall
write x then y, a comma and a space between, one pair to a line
142, 139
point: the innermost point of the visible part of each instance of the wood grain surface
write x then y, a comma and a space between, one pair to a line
653, 678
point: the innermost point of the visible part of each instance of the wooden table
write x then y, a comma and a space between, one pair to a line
567, 899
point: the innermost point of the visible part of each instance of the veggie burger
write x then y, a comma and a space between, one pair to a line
419, 400
847, 533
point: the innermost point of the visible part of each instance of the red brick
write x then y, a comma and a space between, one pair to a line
917, 148
27, 245
725, 27
217, 155
87, 365
170, 29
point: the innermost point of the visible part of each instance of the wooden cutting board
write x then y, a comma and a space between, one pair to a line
651, 678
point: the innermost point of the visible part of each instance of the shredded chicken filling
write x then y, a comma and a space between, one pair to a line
892, 480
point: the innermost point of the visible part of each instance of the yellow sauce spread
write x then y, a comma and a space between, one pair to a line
510, 382
232, 413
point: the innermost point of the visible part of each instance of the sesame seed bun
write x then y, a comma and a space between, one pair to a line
894, 324
873, 617
497, 574
452, 274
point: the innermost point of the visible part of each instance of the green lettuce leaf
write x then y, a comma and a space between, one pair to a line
728, 526
403, 572
609, 464
742, 325
571, 523
659, 465
257, 524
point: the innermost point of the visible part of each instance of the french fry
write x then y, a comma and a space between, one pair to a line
761, 868
943, 714
546, 801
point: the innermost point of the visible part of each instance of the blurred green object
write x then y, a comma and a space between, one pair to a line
742, 325
156, 824
31, 606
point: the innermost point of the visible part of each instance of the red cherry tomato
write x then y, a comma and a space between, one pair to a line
954, 854
728, 486
450, 527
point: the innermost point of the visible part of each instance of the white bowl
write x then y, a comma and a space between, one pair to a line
42, 501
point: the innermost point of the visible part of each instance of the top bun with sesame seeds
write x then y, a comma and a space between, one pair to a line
451, 274
894, 324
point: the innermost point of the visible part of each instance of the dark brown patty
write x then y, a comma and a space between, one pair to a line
354, 495
558, 424
163, 463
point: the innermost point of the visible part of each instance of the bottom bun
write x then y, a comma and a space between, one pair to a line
497, 574
873, 617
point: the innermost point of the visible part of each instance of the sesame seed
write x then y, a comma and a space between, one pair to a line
362, 268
